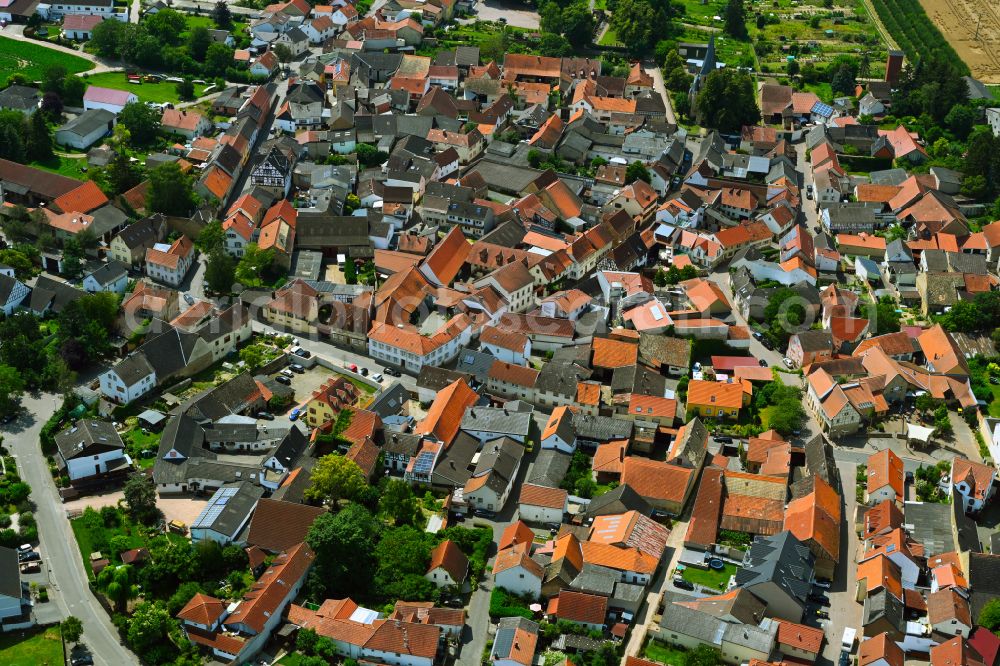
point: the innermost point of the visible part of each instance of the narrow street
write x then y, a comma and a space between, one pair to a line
70, 589
644, 622
653, 70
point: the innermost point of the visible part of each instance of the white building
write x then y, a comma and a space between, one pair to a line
12, 293
542, 505
15, 596
108, 99
227, 513
169, 264
129, 379
91, 452
516, 572
973, 483
111, 277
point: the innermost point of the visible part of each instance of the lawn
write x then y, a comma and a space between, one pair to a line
292, 659
610, 38
44, 647
64, 166
136, 442
716, 580
157, 93
93, 536
363, 387
32, 59
995, 404
664, 654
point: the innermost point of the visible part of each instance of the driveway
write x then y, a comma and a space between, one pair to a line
182, 508
514, 12
653, 70
70, 591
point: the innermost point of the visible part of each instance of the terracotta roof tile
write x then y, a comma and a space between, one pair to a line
449, 557
551, 498
277, 526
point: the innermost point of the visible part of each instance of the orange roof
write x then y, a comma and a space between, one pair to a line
862, 240
876, 193
941, 351
409, 339
715, 394
217, 181
588, 393
880, 647
948, 575
505, 339
799, 636
515, 64
579, 607
612, 354
509, 373
656, 480
447, 257
446, 412
517, 556
83, 199
181, 119
544, 496
881, 573
548, 134
568, 547
552, 425
202, 609
977, 476
652, 406
704, 294
610, 457
515, 533
448, 556
885, 468
816, 518
622, 559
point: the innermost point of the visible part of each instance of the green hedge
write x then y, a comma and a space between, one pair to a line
864, 163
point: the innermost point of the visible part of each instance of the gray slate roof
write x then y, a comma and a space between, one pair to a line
498, 420
88, 437
781, 559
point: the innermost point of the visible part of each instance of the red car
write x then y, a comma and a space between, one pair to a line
352, 367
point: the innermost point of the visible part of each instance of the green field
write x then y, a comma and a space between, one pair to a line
43, 647
610, 38
664, 654
157, 93
32, 59
710, 578
64, 166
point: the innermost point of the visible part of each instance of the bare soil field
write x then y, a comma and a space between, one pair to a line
972, 27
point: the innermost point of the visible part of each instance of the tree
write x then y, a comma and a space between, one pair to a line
218, 58
119, 585
675, 74
398, 503
637, 171
166, 25
11, 387
736, 20
403, 555
843, 81
220, 271
960, 120
577, 24
989, 616
792, 67
52, 105
198, 41
149, 628
703, 655
72, 629
335, 478
255, 263
211, 238
369, 156
727, 101
942, 423
105, 38
282, 53
121, 174
222, 16
12, 130
180, 598
142, 121
170, 191
140, 499
886, 317
73, 256
185, 88
73, 89
634, 21
344, 544
554, 45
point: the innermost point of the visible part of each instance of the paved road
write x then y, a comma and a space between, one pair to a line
809, 208
644, 621
58, 545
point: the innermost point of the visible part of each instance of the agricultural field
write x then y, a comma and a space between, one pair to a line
970, 27
32, 59
913, 30
157, 93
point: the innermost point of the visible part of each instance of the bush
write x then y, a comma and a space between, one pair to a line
505, 604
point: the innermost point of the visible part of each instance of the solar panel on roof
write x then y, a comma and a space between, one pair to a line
503, 642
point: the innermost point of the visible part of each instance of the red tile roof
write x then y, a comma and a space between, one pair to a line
85, 198
448, 556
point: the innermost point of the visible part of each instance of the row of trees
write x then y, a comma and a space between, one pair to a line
157, 44
23, 138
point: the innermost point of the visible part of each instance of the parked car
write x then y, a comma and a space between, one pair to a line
377, 377
31, 567
82, 660
281, 379
820, 599
683, 584
294, 414
392, 372
304, 353
454, 602
822, 614
265, 416
287, 373
757, 335
788, 362
767, 344
189, 299
296, 368
353, 367
723, 439
364, 372
30, 556
763, 362
822, 584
